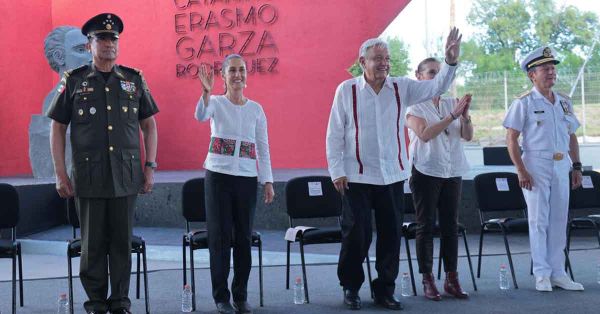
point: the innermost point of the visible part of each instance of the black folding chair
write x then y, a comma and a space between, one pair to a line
194, 210
585, 198
325, 202
409, 231
138, 247
499, 192
9, 217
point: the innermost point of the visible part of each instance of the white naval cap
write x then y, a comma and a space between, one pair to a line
539, 56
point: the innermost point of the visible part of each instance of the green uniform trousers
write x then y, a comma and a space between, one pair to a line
106, 231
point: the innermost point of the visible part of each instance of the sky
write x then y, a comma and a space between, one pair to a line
410, 27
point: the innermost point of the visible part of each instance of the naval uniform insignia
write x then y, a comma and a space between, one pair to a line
80, 112
134, 110
124, 108
84, 84
93, 110
565, 107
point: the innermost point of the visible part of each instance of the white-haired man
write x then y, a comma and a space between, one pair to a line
367, 160
546, 120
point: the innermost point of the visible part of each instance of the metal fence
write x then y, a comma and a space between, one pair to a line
494, 92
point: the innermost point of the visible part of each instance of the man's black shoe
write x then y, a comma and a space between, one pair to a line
389, 302
225, 308
351, 299
242, 307
120, 311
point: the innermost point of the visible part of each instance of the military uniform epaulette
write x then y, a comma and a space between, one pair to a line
75, 70
134, 70
525, 94
563, 95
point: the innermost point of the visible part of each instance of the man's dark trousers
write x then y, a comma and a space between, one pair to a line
106, 231
387, 201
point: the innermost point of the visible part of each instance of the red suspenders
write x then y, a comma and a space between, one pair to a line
398, 125
355, 112
355, 115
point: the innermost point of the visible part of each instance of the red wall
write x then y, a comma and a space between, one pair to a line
26, 78
316, 42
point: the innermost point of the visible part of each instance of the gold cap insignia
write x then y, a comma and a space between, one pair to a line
547, 52
108, 26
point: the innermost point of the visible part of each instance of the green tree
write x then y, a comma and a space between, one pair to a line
399, 59
508, 29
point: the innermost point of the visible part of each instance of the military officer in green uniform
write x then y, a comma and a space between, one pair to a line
106, 105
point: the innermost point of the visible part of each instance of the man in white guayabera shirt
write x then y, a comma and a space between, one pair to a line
368, 162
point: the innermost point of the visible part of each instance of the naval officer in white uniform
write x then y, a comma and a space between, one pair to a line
546, 121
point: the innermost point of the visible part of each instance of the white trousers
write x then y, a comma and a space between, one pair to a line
547, 211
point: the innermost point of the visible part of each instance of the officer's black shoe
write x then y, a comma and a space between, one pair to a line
225, 308
351, 299
242, 307
120, 311
389, 302
96, 312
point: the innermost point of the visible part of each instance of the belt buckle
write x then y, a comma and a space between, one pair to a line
557, 156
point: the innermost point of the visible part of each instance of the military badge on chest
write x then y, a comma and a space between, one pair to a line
84, 89
565, 107
128, 87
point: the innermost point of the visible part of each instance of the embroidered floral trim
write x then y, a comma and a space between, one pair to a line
248, 150
221, 146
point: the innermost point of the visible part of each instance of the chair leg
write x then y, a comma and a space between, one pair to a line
440, 261
480, 249
14, 282
304, 272
145, 265
464, 235
369, 275
287, 268
510, 262
260, 271
137, 288
192, 278
183, 245
70, 281
568, 265
531, 266
410, 267
20, 257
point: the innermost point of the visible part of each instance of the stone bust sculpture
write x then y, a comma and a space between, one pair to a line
65, 49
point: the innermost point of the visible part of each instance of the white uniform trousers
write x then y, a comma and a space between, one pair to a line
547, 207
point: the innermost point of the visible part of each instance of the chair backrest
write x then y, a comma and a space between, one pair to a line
9, 206
312, 197
496, 156
192, 200
585, 196
499, 191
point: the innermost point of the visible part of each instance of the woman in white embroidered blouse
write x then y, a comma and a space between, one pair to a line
238, 142
436, 128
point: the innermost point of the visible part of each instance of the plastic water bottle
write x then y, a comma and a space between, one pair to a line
186, 299
299, 291
405, 285
63, 304
504, 278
